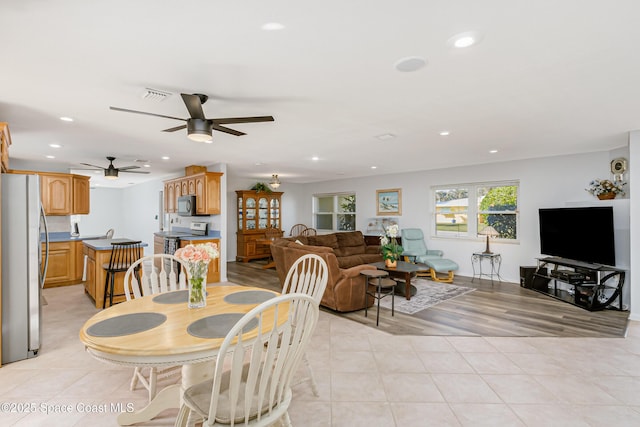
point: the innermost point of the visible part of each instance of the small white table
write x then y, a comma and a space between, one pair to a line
494, 260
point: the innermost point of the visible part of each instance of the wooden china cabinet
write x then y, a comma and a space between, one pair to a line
257, 212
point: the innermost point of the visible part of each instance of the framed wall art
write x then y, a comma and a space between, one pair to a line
389, 202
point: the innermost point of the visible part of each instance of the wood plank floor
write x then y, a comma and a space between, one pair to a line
498, 310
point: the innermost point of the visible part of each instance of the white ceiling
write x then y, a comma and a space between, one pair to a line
548, 77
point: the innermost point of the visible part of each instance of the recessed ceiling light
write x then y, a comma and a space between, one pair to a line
272, 26
146, 166
386, 136
55, 145
410, 63
50, 157
315, 158
165, 157
493, 151
445, 133
66, 119
466, 39
374, 167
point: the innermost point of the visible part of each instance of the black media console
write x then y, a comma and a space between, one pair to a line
591, 286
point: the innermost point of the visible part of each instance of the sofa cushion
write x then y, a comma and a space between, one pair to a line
350, 243
329, 240
311, 248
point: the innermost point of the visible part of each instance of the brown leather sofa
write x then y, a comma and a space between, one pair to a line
346, 255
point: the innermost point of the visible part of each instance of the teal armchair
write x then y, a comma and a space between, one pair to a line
414, 246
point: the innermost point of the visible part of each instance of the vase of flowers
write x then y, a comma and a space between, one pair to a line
391, 250
197, 258
604, 189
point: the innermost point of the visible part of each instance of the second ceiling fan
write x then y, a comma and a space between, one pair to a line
199, 128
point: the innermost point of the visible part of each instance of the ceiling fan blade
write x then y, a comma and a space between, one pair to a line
93, 166
175, 128
128, 167
127, 171
226, 130
230, 120
194, 106
145, 113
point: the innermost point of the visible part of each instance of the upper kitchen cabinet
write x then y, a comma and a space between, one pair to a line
5, 142
64, 194
204, 185
81, 195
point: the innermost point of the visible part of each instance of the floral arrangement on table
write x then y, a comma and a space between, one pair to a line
391, 250
197, 258
603, 188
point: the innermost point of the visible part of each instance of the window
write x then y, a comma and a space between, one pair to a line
334, 212
465, 210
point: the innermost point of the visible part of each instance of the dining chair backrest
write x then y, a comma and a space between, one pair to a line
252, 376
308, 275
297, 230
310, 232
154, 274
123, 254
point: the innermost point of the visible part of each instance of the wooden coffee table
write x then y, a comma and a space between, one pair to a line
403, 270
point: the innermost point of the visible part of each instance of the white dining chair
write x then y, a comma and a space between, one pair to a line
251, 382
308, 275
154, 274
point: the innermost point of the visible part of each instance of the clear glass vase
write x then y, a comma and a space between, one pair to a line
197, 276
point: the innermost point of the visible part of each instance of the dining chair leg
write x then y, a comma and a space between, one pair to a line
183, 416
106, 286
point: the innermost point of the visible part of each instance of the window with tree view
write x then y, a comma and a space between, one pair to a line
335, 212
467, 210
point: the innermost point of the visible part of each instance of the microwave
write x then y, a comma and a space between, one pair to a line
187, 205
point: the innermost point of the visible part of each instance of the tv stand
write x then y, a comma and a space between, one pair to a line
591, 286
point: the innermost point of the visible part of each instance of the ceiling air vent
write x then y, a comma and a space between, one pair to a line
155, 95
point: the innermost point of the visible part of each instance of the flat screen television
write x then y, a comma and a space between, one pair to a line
582, 234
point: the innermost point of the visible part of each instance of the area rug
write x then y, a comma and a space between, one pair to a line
429, 294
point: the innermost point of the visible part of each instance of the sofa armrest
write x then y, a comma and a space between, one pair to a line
435, 252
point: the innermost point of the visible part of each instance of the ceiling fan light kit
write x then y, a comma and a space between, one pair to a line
111, 173
199, 130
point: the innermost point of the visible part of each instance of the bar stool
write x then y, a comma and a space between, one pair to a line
123, 254
383, 287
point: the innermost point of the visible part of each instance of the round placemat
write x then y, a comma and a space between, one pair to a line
127, 324
249, 297
176, 297
217, 326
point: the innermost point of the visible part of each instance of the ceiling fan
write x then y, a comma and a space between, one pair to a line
111, 172
199, 128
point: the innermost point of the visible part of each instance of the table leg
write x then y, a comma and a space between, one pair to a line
170, 397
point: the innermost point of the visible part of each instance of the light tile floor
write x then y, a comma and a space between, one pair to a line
366, 378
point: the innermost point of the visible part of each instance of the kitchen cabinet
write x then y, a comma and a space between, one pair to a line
81, 195
66, 262
64, 194
213, 273
56, 191
256, 212
5, 142
205, 186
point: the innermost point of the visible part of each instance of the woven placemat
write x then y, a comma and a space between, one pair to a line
177, 297
217, 326
249, 297
127, 324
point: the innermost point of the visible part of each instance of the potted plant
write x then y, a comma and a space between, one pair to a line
604, 189
261, 186
391, 250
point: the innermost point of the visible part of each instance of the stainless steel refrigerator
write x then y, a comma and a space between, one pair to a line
23, 266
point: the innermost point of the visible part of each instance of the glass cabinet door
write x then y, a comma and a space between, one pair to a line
263, 211
251, 213
240, 208
275, 213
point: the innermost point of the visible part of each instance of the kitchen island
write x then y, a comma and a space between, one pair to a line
66, 258
98, 253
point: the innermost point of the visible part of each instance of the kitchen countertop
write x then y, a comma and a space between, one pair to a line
187, 234
105, 244
62, 236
